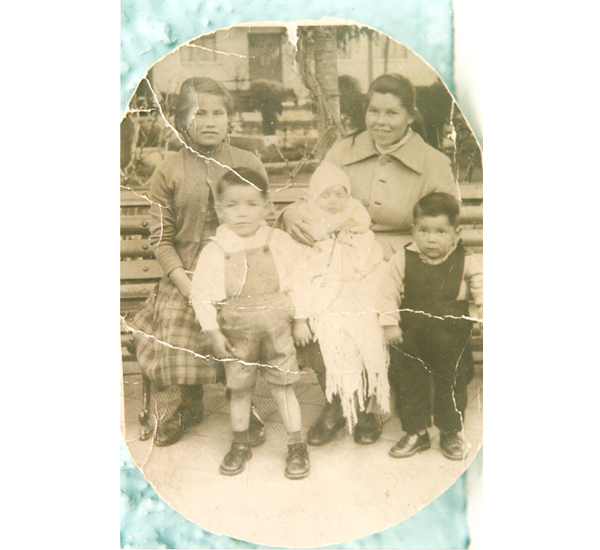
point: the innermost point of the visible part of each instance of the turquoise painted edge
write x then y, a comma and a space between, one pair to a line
147, 521
150, 31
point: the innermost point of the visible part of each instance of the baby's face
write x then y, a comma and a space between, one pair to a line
333, 200
434, 236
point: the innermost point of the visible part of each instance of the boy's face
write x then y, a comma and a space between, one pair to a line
333, 200
243, 208
434, 235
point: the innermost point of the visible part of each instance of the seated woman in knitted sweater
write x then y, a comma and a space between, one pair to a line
344, 268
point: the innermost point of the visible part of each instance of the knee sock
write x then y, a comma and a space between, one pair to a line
295, 437
241, 437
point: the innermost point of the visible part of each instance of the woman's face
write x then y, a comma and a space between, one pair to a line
387, 120
208, 126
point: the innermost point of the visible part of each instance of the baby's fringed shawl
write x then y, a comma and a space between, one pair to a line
357, 360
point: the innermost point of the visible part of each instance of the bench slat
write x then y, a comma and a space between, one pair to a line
472, 237
470, 214
136, 248
135, 225
141, 269
471, 190
139, 224
287, 194
135, 291
135, 198
281, 195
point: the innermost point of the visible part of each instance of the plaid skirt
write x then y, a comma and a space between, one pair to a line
170, 345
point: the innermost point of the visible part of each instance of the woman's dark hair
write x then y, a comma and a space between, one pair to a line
398, 85
187, 98
438, 204
352, 102
243, 176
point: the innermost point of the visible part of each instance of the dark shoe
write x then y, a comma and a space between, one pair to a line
297, 462
256, 431
410, 445
368, 429
321, 434
171, 429
453, 444
192, 416
235, 460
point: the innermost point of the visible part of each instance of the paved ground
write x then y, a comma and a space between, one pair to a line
352, 490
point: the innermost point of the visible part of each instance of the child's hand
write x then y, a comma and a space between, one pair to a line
301, 332
220, 346
393, 335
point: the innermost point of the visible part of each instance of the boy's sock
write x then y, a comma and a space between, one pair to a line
295, 437
241, 437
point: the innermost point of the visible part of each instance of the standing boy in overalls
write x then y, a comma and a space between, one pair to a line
246, 292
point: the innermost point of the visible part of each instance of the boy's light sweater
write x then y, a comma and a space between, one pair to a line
208, 282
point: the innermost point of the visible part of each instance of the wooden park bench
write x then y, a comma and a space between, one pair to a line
140, 271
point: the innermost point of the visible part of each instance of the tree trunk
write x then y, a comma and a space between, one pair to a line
318, 60
326, 74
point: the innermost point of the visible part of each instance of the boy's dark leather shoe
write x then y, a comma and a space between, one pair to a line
171, 429
411, 444
321, 434
235, 460
368, 428
256, 431
453, 444
297, 462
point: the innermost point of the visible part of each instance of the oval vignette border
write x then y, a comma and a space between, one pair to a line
358, 528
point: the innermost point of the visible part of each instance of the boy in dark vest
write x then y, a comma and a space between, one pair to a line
427, 326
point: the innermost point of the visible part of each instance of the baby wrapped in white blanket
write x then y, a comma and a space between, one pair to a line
345, 268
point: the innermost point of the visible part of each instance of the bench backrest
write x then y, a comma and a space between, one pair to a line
140, 270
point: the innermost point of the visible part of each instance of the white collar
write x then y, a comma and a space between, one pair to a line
426, 259
391, 148
230, 242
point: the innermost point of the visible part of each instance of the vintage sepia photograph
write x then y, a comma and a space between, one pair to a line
301, 214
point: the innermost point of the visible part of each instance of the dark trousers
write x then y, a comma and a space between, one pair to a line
434, 350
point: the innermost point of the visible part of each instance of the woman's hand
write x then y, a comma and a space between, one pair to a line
393, 335
301, 332
182, 281
301, 227
221, 347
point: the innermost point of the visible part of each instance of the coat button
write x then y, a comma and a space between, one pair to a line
383, 161
365, 202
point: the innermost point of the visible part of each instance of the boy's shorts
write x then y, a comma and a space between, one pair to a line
260, 330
